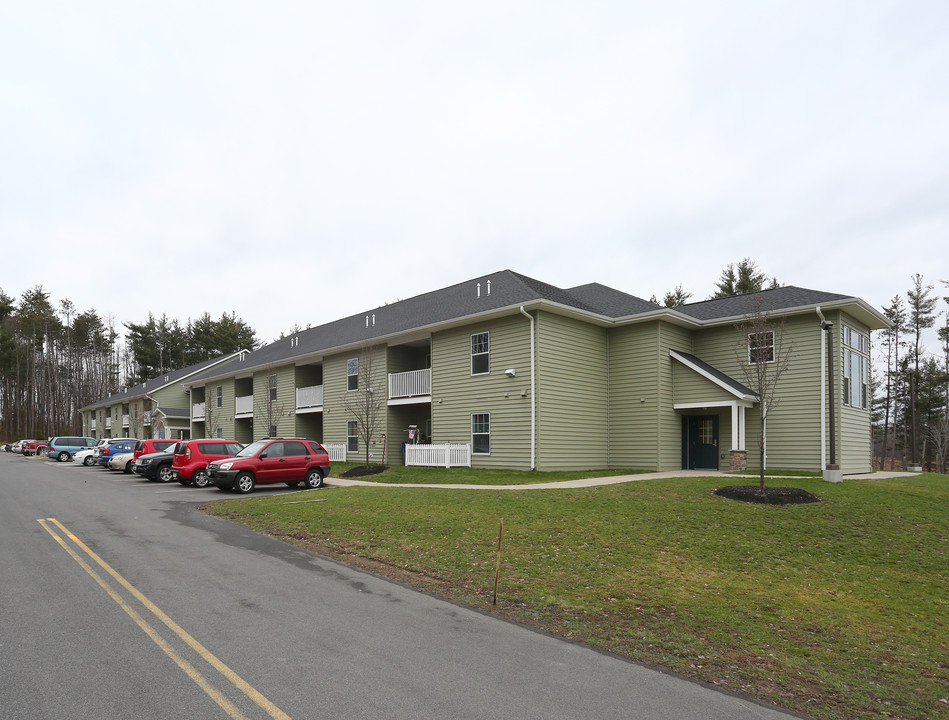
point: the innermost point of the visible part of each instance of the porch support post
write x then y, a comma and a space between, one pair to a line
737, 430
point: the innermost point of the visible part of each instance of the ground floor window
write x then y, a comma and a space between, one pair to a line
352, 436
481, 433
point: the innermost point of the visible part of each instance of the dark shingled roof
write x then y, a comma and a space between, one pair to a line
781, 298
612, 303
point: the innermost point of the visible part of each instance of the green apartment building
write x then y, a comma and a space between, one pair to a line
530, 376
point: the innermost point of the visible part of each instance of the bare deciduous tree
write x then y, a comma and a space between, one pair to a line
763, 358
365, 403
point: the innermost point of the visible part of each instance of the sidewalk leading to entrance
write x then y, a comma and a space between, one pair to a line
594, 481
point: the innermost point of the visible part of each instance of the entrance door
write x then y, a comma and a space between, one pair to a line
701, 442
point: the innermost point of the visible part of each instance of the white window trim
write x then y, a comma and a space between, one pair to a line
474, 354
751, 360
473, 433
352, 424
352, 374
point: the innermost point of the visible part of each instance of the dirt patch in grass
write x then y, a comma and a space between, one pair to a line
767, 495
364, 470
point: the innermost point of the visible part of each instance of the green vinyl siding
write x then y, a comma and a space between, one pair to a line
634, 396
572, 394
793, 433
690, 387
279, 412
855, 442
457, 394
669, 422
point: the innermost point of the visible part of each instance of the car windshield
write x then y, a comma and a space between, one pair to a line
252, 449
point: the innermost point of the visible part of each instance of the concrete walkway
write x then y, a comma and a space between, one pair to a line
594, 481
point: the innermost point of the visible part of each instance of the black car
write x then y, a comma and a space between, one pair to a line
155, 466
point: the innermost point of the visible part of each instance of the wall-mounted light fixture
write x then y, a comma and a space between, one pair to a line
510, 372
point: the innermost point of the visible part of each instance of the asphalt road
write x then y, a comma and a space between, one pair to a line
119, 599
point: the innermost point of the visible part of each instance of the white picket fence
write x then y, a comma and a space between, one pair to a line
336, 451
444, 455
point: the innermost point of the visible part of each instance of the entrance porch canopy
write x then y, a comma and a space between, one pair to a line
714, 389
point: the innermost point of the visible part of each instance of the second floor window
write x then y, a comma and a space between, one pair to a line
761, 347
352, 374
273, 388
480, 354
220, 396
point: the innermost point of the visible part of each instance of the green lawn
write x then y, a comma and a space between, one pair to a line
838, 609
471, 476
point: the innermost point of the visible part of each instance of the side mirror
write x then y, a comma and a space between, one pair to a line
262, 456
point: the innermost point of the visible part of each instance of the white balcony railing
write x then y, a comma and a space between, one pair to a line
444, 455
310, 397
414, 383
92, 425
147, 418
244, 406
197, 412
108, 423
125, 421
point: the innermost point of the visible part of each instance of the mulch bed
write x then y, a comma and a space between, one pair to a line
767, 495
363, 470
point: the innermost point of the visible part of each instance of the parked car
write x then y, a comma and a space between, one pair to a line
145, 447
85, 457
191, 458
121, 461
154, 466
17, 447
286, 460
64, 447
34, 447
114, 447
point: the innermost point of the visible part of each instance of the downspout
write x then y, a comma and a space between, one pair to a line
823, 391
533, 395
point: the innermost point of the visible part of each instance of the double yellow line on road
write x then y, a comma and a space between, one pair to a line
57, 530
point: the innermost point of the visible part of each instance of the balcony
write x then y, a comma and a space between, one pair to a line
197, 412
147, 418
125, 421
92, 425
108, 423
244, 406
310, 399
410, 387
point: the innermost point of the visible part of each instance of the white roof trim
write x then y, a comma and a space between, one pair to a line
708, 376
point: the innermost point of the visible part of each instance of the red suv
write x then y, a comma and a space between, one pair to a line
286, 460
144, 447
190, 463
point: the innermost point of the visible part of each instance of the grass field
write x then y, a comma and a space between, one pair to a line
838, 609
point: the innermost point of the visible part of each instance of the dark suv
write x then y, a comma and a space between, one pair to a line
190, 465
274, 460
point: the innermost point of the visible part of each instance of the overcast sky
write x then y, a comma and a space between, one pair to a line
298, 162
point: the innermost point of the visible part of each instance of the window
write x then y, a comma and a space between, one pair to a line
273, 388
352, 436
761, 347
480, 354
352, 374
856, 368
481, 434
220, 396
219, 433
273, 431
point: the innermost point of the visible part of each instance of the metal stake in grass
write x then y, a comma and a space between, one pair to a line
497, 572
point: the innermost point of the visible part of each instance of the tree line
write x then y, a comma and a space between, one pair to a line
55, 360
911, 384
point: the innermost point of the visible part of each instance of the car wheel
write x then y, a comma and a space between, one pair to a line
128, 468
244, 483
164, 473
63, 456
88, 460
314, 478
199, 478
